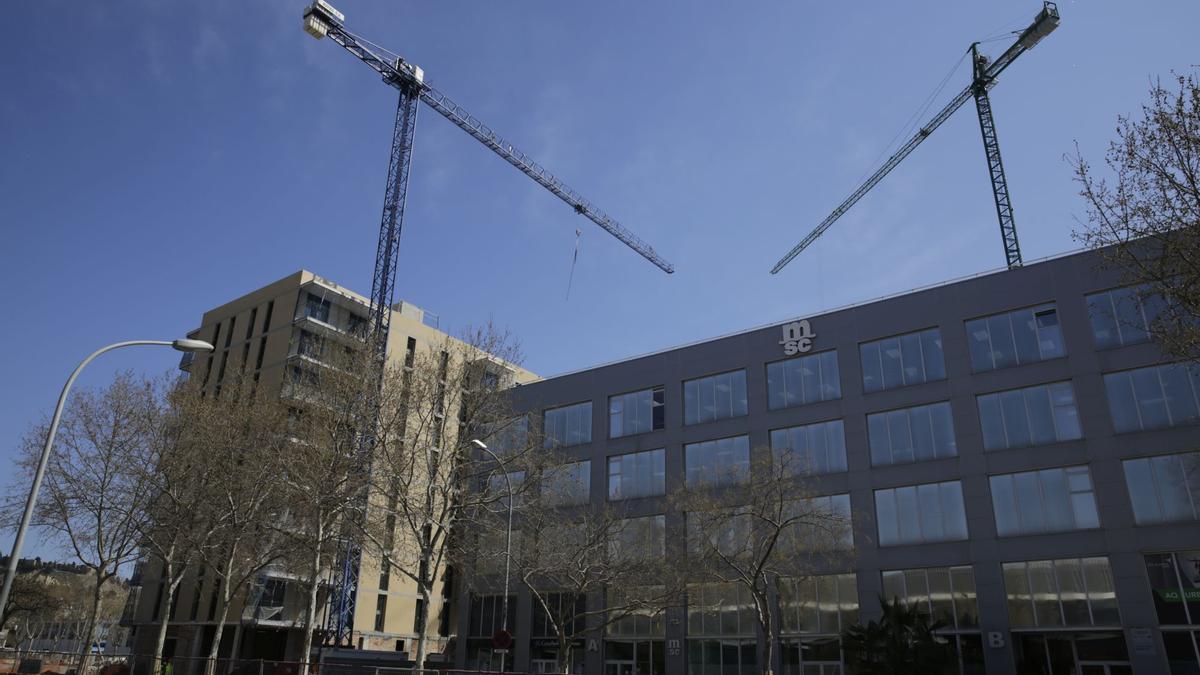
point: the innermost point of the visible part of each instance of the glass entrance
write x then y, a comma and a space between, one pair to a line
1099, 653
634, 657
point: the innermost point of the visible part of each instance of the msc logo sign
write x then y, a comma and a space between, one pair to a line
797, 337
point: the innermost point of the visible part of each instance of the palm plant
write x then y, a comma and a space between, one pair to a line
903, 642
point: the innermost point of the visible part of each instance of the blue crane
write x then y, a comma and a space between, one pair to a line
322, 20
984, 78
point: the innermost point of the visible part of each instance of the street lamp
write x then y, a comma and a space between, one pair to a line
507, 537
11, 574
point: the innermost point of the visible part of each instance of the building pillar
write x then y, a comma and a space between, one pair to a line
998, 648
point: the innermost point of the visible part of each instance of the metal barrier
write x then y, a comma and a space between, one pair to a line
64, 663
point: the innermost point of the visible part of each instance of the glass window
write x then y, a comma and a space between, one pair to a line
1183, 651
911, 434
715, 397
1164, 489
1175, 583
811, 448
902, 360
1030, 416
568, 425
637, 539
568, 483
635, 620
636, 412
1015, 338
720, 462
1122, 316
945, 593
1060, 593
818, 604
820, 524
637, 474
1153, 398
802, 380
1050, 500
317, 308
506, 438
720, 610
920, 514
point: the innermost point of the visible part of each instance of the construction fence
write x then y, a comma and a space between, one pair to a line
63, 663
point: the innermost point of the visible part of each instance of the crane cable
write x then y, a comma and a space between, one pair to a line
1000, 33
913, 120
574, 259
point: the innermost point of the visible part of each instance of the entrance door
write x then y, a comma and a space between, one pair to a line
618, 667
633, 657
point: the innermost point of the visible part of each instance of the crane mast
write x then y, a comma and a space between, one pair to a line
984, 76
322, 20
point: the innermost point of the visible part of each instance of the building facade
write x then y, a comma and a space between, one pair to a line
1018, 459
279, 335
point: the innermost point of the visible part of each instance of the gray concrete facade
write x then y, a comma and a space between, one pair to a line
1063, 281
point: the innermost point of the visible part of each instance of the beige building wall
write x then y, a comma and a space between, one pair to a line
262, 336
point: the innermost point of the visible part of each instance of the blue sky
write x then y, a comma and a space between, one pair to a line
161, 158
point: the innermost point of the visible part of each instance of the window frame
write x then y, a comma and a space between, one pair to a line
653, 389
608, 465
549, 443
742, 475
1034, 309
799, 357
806, 425
1187, 366
744, 370
1045, 507
1024, 398
891, 448
919, 515
919, 332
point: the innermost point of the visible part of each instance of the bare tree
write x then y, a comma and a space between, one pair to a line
757, 523
1145, 218
326, 475
242, 438
586, 566
94, 499
176, 473
29, 601
430, 409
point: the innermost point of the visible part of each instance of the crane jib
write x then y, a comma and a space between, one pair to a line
1045, 22
402, 79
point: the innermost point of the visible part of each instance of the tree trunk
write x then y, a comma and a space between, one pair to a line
763, 608
210, 667
423, 628
85, 650
310, 611
564, 653
168, 562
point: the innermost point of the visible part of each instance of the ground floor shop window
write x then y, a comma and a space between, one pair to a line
815, 655
1183, 651
543, 656
481, 656
722, 657
1093, 653
634, 657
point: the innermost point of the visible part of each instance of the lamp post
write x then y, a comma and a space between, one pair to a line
11, 574
507, 538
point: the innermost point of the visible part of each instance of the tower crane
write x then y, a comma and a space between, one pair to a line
984, 74
322, 20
